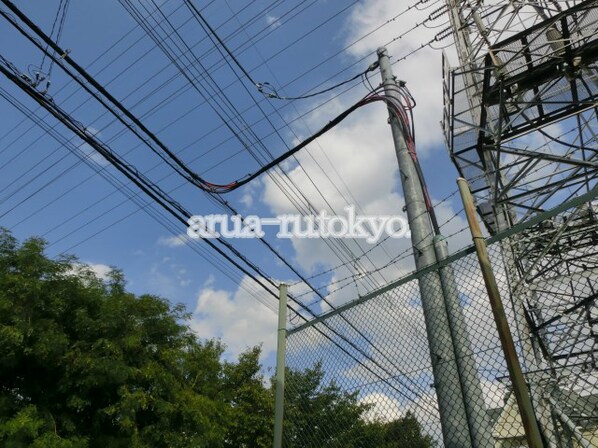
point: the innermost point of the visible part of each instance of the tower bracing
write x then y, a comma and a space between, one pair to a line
522, 117
521, 125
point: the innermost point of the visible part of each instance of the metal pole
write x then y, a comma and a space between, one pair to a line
280, 365
480, 428
520, 390
453, 416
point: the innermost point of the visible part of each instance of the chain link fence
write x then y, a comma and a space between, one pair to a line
365, 374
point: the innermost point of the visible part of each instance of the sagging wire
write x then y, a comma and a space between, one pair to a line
266, 88
270, 92
401, 107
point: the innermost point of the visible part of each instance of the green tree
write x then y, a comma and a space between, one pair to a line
320, 415
404, 432
86, 364
250, 404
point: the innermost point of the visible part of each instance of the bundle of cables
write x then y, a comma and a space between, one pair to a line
400, 105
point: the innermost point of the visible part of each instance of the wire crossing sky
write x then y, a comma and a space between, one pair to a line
250, 98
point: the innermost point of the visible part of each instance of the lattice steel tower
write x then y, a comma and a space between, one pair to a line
521, 125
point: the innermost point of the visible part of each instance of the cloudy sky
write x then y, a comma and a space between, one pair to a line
295, 48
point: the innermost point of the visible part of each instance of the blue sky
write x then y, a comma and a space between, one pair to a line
46, 192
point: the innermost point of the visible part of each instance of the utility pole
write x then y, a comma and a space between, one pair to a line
453, 414
280, 365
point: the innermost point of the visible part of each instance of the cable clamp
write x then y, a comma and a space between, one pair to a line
267, 89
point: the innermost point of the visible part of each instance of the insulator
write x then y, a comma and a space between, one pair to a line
443, 34
437, 13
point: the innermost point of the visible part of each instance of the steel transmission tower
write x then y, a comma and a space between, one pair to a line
521, 125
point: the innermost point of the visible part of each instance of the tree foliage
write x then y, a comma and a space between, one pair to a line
87, 364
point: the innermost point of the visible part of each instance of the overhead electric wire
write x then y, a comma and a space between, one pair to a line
129, 4
282, 259
317, 65
150, 189
135, 61
246, 126
112, 61
265, 87
268, 152
268, 90
236, 184
354, 42
60, 19
309, 153
196, 13
83, 133
174, 160
132, 196
436, 204
215, 129
210, 31
154, 192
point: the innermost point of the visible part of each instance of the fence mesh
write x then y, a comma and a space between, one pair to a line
369, 376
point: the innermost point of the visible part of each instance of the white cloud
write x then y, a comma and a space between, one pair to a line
173, 241
166, 278
238, 319
247, 199
384, 408
272, 21
100, 270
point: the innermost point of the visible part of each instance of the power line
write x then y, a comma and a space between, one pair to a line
153, 191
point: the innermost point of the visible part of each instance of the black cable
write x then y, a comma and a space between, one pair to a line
145, 191
169, 54
342, 244
227, 205
268, 90
56, 18
151, 190
265, 87
193, 177
58, 36
165, 202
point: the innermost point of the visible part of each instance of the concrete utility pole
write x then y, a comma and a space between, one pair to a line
453, 414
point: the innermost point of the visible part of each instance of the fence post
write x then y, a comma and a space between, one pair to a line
520, 390
280, 365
